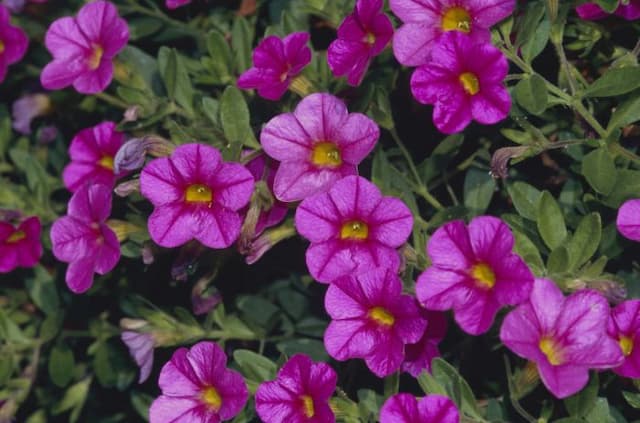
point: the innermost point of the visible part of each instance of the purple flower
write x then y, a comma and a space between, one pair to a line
141, 349
591, 11
275, 63
352, 227
404, 408
196, 196
27, 108
371, 320
463, 81
418, 356
197, 387
318, 144
628, 221
83, 239
300, 393
174, 4
565, 337
13, 42
21, 246
92, 152
361, 36
83, 48
426, 21
624, 327
474, 272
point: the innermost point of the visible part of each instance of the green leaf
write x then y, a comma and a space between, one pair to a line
312, 347
241, 38
608, 5
235, 119
478, 190
61, 362
550, 221
525, 199
558, 260
457, 388
528, 251
584, 242
141, 402
600, 412
175, 77
74, 398
42, 290
627, 112
5, 131
430, 385
532, 47
221, 58
531, 93
600, 170
627, 186
103, 366
582, 403
255, 366
614, 82
633, 398
529, 23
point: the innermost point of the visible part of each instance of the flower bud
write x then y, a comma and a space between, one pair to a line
268, 240
27, 108
132, 154
127, 188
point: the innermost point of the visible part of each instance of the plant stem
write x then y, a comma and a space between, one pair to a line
114, 101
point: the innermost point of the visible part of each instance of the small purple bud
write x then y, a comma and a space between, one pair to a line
204, 297
500, 160
147, 254
127, 188
27, 108
131, 156
132, 114
47, 134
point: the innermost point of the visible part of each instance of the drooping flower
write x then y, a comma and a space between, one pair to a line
20, 246
318, 144
196, 196
83, 239
426, 21
92, 152
463, 81
405, 408
474, 272
27, 108
83, 48
352, 227
13, 42
140, 347
418, 356
629, 10
300, 393
624, 327
361, 36
565, 337
628, 220
198, 387
276, 62
372, 320
174, 4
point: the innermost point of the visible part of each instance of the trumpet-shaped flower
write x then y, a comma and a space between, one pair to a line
474, 272
405, 408
13, 42
352, 228
83, 48
196, 196
565, 337
628, 220
140, 347
20, 246
300, 393
372, 320
418, 356
591, 11
624, 327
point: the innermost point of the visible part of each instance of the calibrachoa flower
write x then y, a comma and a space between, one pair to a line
83, 48
624, 327
371, 320
405, 408
20, 246
174, 4
300, 393
83, 239
591, 11
426, 21
418, 356
352, 228
628, 221
197, 387
140, 347
565, 337
474, 272
92, 151
318, 144
275, 63
361, 36
463, 81
13, 42
196, 196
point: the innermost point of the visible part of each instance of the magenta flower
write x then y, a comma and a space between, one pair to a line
318, 144
83, 239
405, 408
463, 81
275, 63
300, 393
591, 11
371, 320
474, 272
21, 246
174, 4
565, 337
352, 227
264, 169
92, 151
361, 36
624, 327
426, 21
13, 42
196, 196
418, 356
140, 347
628, 220
83, 48
197, 387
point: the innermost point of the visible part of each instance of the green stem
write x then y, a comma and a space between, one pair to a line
621, 151
114, 101
391, 384
133, 6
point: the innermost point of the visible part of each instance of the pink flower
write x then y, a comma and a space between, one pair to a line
361, 36
628, 221
565, 337
418, 356
174, 4
197, 387
13, 42
352, 228
300, 393
83, 48
21, 246
463, 81
624, 327
474, 272
591, 11
275, 63
196, 196
83, 239
92, 151
140, 347
318, 144
371, 320
426, 21
404, 408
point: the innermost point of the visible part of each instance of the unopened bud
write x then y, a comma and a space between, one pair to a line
127, 188
122, 228
268, 240
132, 114
500, 160
132, 154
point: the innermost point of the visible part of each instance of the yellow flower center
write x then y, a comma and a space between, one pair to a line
483, 275
551, 349
381, 316
370, 38
106, 162
96, 57
1, 47
307, 406
211, 398
470, 83
456, 19
326, 154
355, 230
15, 237
626, 345
198, 193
